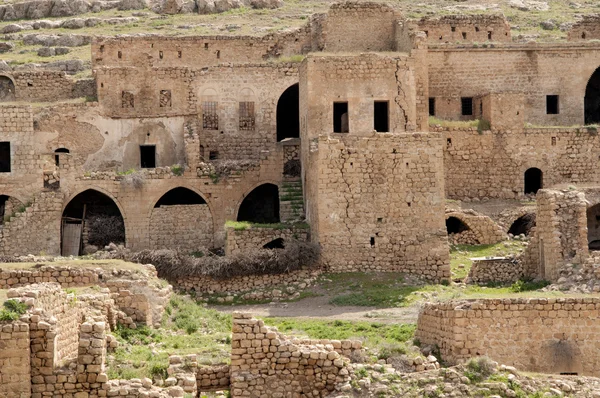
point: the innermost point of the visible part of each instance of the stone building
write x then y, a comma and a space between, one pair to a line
189, 132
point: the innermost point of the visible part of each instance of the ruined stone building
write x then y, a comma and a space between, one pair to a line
189, 132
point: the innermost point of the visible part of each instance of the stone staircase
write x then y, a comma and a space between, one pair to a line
291, 202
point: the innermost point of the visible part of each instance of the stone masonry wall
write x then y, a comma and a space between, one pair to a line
587, 28
380, 204
493, 164
465, 28
185, 227
495, 270
548, 335
42, 86
265, 363
239, 241
482, 229
15, 360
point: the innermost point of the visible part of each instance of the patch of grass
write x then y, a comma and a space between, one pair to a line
244, 225
177, 170
453, 123
462, 254
527, 286
479, 369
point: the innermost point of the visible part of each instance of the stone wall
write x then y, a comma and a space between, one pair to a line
238, 241
495, 270
15, 360
548, 335
266, 363
216, 377
482, 229
587, 28
561, 230
493, 164
42, 86
465, 29
183, 227
378, 204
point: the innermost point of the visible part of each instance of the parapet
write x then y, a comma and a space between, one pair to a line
465, 29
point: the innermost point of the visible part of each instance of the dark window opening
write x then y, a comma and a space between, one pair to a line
381, 116
340, 117
164, 99
29, 84
464, 35
179, 54
100, 217
533, 181
522, 225
583, 35
448, 142
426, 33
102, 48
441, 37
206, 46
553, 141
261, 205
180, 196
453, 28
57, 156
431, 106
568, 374
466, 104
455, 226
278, 243
288, 113
552, 104
476, 28
4, 157
372, 241
148, 156
592, 99
213, 155
119, 55
160, 54
218, 54
210, 117
246, 122
489, 35
7, 89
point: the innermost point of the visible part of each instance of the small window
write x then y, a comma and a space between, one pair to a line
372, 241
127, 99
466, 106
160, 55
552, 104
246, 116
340, 117
179, 54
476, 28
213, 155
148, 156
57, 156
490, 35
5, 157
431, 106
381, 116
583, 35
165, 98
119, 55
210, 117
453, 28
464, 35
426, 33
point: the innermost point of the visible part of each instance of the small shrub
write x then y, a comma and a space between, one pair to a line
526, 286
479, 369
391, 350
12, 310
177, 170
159, 370
105, 229
133, 179
483, 125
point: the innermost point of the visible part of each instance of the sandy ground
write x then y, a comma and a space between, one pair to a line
319, 308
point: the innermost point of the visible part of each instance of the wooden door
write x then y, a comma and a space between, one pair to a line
71, 239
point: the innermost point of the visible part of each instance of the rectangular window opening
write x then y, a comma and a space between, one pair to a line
179, 54
340, 117
464, 35
466, 104
552, 105
381, 116
213, 155
4, 157
246, 116
210, 117
453, 28
431, 106
119, 55
372, 241
489, 35
147, 156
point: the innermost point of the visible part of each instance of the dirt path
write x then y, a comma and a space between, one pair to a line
319, 308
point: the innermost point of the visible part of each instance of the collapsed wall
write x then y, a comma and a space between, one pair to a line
548, 335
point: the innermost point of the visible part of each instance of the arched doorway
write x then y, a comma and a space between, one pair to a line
57, 154
181, 219
592, 99
593, 225
522, 225
90, 221
533, 181
278, 243
261, 205
455, 226
7, 89
288, 113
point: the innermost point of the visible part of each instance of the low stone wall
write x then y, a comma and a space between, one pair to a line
495, 269
185, 227
547, 335
15, 359
266, 363
253, 287
238, 241
210, 378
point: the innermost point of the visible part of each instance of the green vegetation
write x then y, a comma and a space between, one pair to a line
187, 328
244, 225
177, 169
453, 123
12, 310
126, 172
462, 254
367, 290
479, 369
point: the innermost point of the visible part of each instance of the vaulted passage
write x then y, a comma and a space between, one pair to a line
455, 226
533, 181
522, 225
592, 99
278, 243
180, 196
91, 219
593, 224
7, 89
261, 205
288, 114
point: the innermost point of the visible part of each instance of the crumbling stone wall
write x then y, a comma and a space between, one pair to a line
42, 86
264, 362
465, 28
239, 241
548, 335
493, 164
185, 227
587, 28
561, 230
482, 229
495, 270
15, 360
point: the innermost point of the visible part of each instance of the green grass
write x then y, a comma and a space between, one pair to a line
462, 254
187, 328
367, 290
244, 225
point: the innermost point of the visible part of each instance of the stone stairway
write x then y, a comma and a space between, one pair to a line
291, 202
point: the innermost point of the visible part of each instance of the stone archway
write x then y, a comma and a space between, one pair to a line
181, 219
592, 99
7, 89
593, 226
91, 220
522, 225
288, 113
533, 181
261, 205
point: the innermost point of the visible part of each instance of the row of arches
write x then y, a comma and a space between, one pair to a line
521, 226
93, 218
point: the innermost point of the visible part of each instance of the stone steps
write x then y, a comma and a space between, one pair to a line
291, 201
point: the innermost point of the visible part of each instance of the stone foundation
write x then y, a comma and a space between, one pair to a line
238, 241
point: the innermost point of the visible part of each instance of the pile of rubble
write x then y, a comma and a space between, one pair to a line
578, 278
